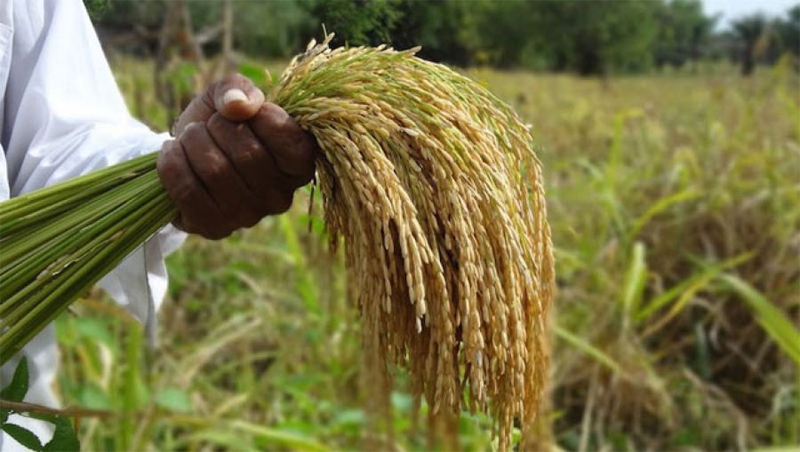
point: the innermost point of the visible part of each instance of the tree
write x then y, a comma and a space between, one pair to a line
751, 31
357, 22
787, 32
683, 32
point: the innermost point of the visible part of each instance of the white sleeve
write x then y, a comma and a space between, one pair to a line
65, 116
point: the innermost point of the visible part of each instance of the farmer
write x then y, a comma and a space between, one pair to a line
230, 161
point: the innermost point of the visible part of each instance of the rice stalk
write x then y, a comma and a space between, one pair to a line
434, 186
431, 183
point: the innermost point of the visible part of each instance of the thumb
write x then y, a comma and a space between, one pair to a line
235, 97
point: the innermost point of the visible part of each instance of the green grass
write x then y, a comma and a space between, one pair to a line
673, 201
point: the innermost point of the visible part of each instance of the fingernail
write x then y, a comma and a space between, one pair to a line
232, 95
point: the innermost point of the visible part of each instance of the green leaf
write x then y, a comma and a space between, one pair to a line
226, 439
23, 436
95, 330
255, 73
18, 387
774, 322
286, 439
635, 280
351, 417
660, 206
92, 397
687, 288
174, 399
64, 437
589, 349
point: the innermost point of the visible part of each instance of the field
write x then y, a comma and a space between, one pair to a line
674, 206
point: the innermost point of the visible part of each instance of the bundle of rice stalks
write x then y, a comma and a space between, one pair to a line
432, 183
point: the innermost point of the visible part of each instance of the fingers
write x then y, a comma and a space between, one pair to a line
236, 160
253, 163
293, 149
190, 197
217, 175
235, 97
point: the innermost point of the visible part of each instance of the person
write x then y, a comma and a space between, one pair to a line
231, 160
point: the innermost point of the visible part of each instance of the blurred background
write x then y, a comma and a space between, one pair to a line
670, 134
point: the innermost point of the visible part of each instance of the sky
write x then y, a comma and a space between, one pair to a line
733, 9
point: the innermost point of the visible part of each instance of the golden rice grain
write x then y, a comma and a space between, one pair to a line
434, 186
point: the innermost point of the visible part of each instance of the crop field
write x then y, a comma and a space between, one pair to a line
675, 206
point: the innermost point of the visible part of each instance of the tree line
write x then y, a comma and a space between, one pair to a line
587, 37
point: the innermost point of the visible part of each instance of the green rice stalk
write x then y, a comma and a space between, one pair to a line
434, 187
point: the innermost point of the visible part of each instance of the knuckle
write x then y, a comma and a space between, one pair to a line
207, 97
273, 117
235, 78
182, 191
165, 165
218, 126
214, 168
194, 135
248, 153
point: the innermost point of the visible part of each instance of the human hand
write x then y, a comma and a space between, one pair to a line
234, 160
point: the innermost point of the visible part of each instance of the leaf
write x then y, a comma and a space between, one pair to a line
589, 349
18, 387
350, 417
304, 282
64, 437
687, 288
23, 436
634, 281
174, 399
92, 397
274, 436
777, 449
774, 322
226, 439
95, 330
660, 206
255, 73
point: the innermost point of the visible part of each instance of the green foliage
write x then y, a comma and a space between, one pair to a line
683, 32
775, 322
587, 37
64, 437
789, 31
16, 390
97, 8
591, 38
22, 436
357, 22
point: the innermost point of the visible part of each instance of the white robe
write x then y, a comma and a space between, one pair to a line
62, 115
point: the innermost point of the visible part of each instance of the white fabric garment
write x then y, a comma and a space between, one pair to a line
62, 115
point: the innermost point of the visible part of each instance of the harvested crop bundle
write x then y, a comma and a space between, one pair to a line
432, 183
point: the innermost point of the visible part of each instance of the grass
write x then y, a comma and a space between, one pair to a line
673, 202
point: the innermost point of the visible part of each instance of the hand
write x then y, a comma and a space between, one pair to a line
235, 159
